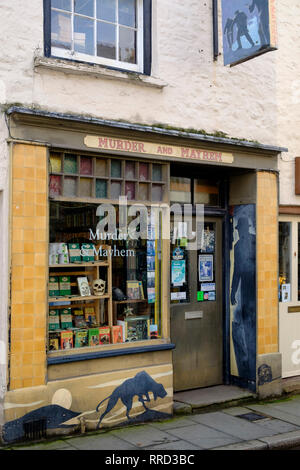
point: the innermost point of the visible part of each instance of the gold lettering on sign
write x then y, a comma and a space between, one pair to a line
148, 148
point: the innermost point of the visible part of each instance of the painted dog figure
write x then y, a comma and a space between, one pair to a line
141, 384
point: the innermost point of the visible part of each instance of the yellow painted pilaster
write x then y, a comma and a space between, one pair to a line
29, 241
267, 262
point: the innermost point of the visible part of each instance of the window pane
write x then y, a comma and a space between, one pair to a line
206, 193
115, 189
61, 4
180, 190
127, 46
143, 171
55, 185
284, 256
127, 14
84, 7
143, 191
100, 167
70, 164
130, 170
106, 10
130, 190
157, 192
84, 35
60, 30
101, 189
55, 163
70, 186
156, 172
116, 169
85, 187
106, 40
86, 166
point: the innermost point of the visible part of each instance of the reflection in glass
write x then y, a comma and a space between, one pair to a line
60, 30
127, 45
55, 163
143, 191
106, 40
83, 35
127, 15
206, 192
84, 7
180, 190
61, 4
106, 10
284, 253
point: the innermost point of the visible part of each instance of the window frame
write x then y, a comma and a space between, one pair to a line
144, 42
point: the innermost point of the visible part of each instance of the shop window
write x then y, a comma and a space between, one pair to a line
180, 190
284, 261
115, 33
78, 176
104, 288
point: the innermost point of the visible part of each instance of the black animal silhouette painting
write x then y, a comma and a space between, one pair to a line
140, 385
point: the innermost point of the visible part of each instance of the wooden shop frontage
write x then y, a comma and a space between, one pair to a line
104, 325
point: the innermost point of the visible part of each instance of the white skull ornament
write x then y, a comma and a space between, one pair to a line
99, 287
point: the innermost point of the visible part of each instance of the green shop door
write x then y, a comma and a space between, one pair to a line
196, 307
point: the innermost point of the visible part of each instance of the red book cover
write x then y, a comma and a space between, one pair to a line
104, 335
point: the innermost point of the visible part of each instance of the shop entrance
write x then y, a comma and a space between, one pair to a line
196, 307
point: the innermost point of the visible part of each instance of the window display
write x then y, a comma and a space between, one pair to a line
104, 288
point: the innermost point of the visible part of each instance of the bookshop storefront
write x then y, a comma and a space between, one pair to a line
116, 301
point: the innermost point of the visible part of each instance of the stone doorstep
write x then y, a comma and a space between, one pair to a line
291, 385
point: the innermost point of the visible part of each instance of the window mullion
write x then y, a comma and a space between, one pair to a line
117, 31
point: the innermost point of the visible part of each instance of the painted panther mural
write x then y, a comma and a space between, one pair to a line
140, 385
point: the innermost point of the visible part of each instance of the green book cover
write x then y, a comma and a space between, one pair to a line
64, 285
66, 318
53, 286
81, 338
54, 323
94, 337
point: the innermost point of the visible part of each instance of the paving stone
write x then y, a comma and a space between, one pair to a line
203, 436
181, 408
174, 423
283, 441
275, 412
277, 425
177, 445
248, 445
236, 410
233, 426
56, 445
144, 436
100, 442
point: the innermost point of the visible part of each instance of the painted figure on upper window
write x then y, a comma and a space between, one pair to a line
263, 28
240, 20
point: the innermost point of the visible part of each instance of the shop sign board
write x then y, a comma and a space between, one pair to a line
149, 148
249, 29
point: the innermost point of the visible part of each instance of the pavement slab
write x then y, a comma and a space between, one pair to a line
277, 425
100, 442
283, 441
249, 445
144, 436
203, 436
233, 425
176, 445
55, 445
275, 412
174, 423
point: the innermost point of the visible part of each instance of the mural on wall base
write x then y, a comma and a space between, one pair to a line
243, 293
136, 392
141, 385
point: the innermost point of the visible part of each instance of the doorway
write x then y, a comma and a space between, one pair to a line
197, 307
